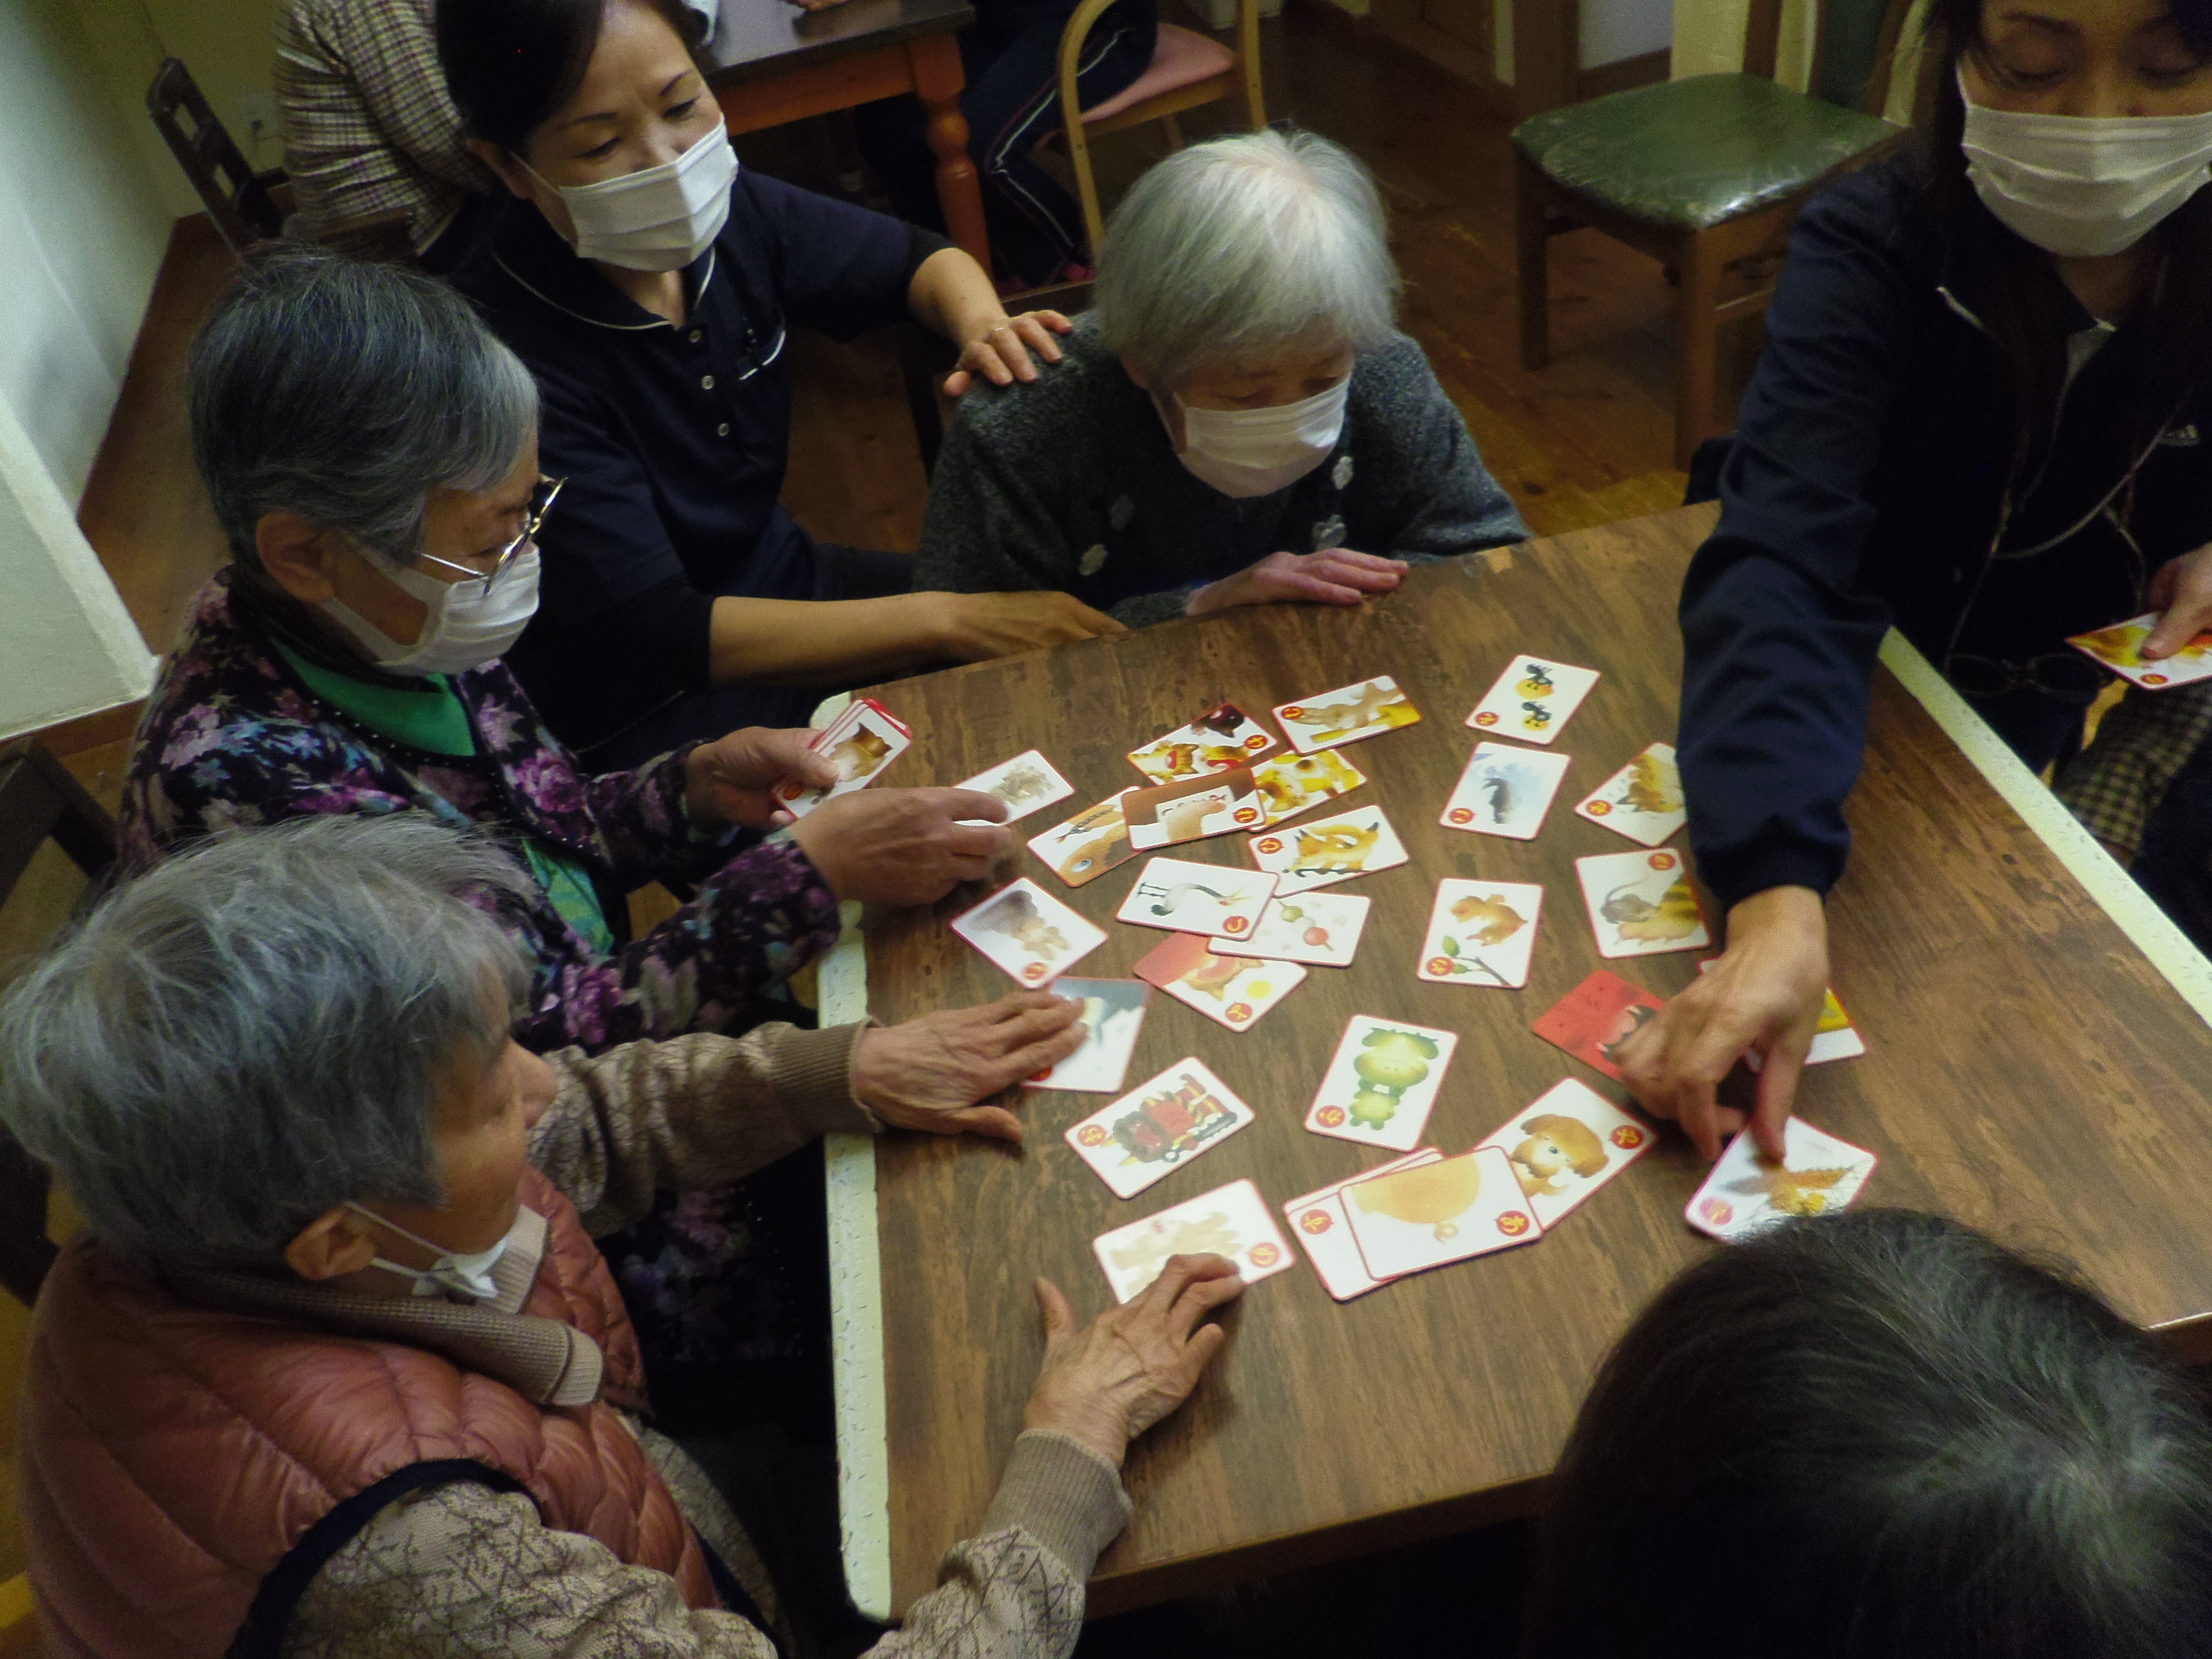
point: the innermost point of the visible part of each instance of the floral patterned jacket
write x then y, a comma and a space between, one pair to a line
232, 737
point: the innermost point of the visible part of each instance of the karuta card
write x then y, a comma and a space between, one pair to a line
1317, 1220
1028, 933
1593, 1020
1818, 1175
2120, 648
1162, 1122
1329, 850
1223, 737
1197, 898
1025, 783
1093, 841
1381, 1084
1236, 991
1320, 928
1232, 1221
1291, 784
1642, 800
859, 743
1347, 714
1481, 933
1568, 1143
1113, 1012
1433, 1213
1169, 814
1834, 1038
1504, 791
1532, 698
1642, 904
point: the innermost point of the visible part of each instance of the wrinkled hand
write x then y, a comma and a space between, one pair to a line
729, 779
1107, 1383
1335, 576
2181, 588
978, 627
932, 1072
1764, 994
903, 845
1001, 353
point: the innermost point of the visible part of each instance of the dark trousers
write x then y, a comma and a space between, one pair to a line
2174, 863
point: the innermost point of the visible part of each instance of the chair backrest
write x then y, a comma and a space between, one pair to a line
236, 197
1854, 43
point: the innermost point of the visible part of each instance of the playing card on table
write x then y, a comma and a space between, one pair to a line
859, 743
1329, 850
1236, 991
1112, 1011
1232, 1221
1532, 698
1025, 783
1318, 1221
1642, 904
1169, 814
1818, 1175
1093, 841
1593, 1019
1381, 1084
1834, 1038
1197, 898
1026, 930
1347, 714
1291, 784
1504, 791
1568, 1142
1223, 736
1481, 933
1162, 1122
2118, 647
1432, 1213
1642, 800
1321, 928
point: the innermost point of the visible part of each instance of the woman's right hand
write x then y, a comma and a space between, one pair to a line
1335, 576
977, 626
903, 845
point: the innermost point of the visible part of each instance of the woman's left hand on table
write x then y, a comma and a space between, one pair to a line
2182, 589
931, 1072
1000, 353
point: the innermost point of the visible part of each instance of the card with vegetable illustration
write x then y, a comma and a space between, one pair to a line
1381, 1084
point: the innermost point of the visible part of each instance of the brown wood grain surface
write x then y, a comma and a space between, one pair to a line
2027, 1071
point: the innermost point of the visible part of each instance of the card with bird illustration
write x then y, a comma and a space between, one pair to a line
1184, 897
1481, 933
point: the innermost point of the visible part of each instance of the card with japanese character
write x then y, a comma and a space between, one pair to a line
1347, 714
1642, 800
1169, 814
1446, 1211
1197, 898
1028, 933
1318, 1222
1381, 1084
1504, 791
1164, 1122
1320, 928
1818, 1174
1642, 904
2119, 647
1113, 1012
1593, 1020
1232, 1221
1223, 737
1291, 784
1026, 783
1329, 850
1532, 698
1568, 1142
1093, 841
859, 743
1232, 991
1481, 933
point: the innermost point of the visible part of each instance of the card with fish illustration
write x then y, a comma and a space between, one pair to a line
1329, 850
1291, 784
1169, 814
2119, 647
1317, 1220
1027, 932
1642, 800
1093, 841
1432, 1213
1223, 737
1504, 791
1367, 709
1481, 933
1818, 1174
1567, 1144
1532, 700
1197, 898
1834, 1038
1381, 1084
1232, 1221
1233, 991
1113, 1013
1642, 904
1593, 1019
1320, 928
1026, 783
1164, 1122
859, 743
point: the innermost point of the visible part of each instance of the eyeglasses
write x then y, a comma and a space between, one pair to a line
2065, 674
541, 504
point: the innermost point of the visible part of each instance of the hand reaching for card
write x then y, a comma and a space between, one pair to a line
1336, 575
903, 845
2181, 589
729, 779
931, 1072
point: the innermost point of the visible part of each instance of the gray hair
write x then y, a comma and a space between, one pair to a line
347, 392
1239, 246
251, 1034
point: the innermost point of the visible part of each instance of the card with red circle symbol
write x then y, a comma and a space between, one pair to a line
1568, 1142
859, 743
1093, 841
1382, 1082
1291, 784
1223, 737
2119, 647
1232, 1221
1532, 700
1169, 814
1747, 1194
1197, 898
1028, 933
1593, 1019
1318, 1223
1367, 709
1481, 933
1164, 1122
1113, 1012
1233, 991
1329, 850
1457, 1207
1642, 904
1321, 928
1504, 791
1025, 783
1642, 800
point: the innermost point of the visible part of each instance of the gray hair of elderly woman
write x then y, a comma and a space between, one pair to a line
347, 392
253, 1032
1236, 248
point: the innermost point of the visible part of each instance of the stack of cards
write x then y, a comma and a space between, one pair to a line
1028, 933
1291, 784
1197, 898
1481, 933
1569, 1143
1818, 1175
1232, 1221
1347, 714
1223, 737
1112, 1011
1382, 1085
1593, 1019
1319, 1221
1532, 698
1329, 850
1162, 1122
2119, 647
1169, 814
1025, 783
1423, 1215
1642, 800
1087, 846
1235, 991
1321, 928
859, 743
1504, 791
1642, 904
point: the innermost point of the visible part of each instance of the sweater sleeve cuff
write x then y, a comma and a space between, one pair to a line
1734, 878
813, 1072
1064, 1495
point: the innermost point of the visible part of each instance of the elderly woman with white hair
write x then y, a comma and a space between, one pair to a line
1236, 421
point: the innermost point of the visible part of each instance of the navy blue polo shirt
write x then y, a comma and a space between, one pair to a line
674, 439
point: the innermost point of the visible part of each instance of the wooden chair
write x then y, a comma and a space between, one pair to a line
242, 203
1705, 175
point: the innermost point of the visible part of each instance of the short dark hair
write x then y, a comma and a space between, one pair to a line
1880, 1434
510, 63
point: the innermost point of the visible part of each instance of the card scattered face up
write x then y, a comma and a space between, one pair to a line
1329, 850
1291, 784
1569, 1143
859, 743
2120, 648
1025, 783
1642, 904
1223, 737
1087, 846
1169, 814
1432, 1213
1321, 928
1532, 698
1592, 1021
1197, 898
1642, 800
1818, 1175
1504, 791
1028, 933
1235, 991
1382, 1084
1347, 714
1481, 933
1113, 1012
1162, 1122
1319, 1222
1232, 1221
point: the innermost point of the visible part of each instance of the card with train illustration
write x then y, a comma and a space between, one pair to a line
1029, 933
1329, 850
1321, 929
1291, 784
1232, 1221
1382, 1082
1592, 1021
1532, 698
1481, 933
1164, 1122
1197, 898
1642, 904
1642, 800
1347, 715
1113, 1013
1746, 1193
1432, 1213
1568, 1142
1504, 791
1093, 841
1028, 783
1318, 1222
1231, 991
859, 743
1223, 737
1169, 814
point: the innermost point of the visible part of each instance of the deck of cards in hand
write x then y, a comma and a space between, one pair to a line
2119, 647
859, 743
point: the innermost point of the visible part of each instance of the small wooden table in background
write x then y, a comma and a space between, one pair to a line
2030, 1069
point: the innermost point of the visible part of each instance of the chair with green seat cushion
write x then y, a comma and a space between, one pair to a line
1704, 174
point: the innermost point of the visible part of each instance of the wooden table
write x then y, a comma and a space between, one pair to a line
771, 63
2036, 1065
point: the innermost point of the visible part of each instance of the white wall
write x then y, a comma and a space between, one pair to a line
1610, 30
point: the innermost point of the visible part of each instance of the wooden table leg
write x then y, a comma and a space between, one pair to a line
937, 82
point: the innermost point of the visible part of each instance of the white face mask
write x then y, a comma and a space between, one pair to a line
466, 627
1256, 452
2084, 186
468, 1275
659, 219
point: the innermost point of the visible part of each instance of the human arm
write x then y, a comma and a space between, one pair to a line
951, 296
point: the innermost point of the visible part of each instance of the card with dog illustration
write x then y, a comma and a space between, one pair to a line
1028, 933
2119, 647
1818, 1174
1381, 1084
1317, 1220
1164, 1122
1113, 1012
1432, 1213
1320, 928
1169, 814
1347, 714
1504, 791
1642, 800
1642, 904
1223, 737
1593, 1019
1532, 698
859, 743
1026, 783
1232, 991
1291, 784
1568, 1143
1093, 841
1481, 933
1197, 898
1232, 1221
1329, 850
